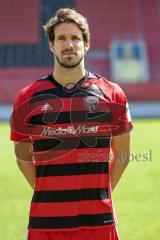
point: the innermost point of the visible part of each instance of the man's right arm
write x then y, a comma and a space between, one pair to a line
24, 157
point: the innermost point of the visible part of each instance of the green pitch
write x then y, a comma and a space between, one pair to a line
137, 197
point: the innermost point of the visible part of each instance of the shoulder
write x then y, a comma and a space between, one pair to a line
110, 89
27, 92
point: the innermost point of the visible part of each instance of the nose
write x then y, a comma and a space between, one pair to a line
69, 43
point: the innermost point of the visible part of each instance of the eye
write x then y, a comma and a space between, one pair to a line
61, 38
76, 38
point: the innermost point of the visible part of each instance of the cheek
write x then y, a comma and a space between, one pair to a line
80, 47
58, 47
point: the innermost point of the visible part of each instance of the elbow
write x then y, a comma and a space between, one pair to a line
18, 163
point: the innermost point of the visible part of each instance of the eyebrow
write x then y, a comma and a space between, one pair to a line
73, 35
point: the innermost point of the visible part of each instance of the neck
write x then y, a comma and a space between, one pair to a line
68, 75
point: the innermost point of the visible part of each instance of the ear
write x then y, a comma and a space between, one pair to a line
86, 47
51, 46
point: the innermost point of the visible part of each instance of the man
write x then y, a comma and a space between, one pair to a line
65, 126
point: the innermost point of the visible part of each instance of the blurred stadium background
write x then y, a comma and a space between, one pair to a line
125, 47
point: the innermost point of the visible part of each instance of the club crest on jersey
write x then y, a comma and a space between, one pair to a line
91, 103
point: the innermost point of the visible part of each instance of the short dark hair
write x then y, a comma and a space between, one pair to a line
67, 15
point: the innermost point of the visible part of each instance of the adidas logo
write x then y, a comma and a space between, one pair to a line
46, 107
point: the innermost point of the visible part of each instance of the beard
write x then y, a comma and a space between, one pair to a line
67, 64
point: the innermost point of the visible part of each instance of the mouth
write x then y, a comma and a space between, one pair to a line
69, 53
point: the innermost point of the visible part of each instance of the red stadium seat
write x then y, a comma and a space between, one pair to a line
20, 20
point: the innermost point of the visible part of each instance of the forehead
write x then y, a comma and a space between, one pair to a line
67, 29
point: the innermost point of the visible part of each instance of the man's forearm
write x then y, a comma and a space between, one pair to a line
117, 169
121, 154
28, 170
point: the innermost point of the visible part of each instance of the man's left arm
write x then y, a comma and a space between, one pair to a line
120, 157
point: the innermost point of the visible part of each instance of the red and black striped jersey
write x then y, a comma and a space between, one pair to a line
71, 131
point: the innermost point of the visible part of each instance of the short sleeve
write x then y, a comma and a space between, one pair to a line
121, 118
19, 126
